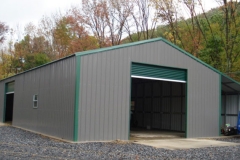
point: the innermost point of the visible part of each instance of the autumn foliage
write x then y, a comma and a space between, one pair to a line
212, 36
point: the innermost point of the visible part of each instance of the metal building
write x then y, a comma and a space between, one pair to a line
101, 94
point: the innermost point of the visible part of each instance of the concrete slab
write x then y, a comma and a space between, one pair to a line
151, 135
2, 124
174, 144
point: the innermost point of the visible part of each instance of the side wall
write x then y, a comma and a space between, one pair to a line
55, 86
105, 86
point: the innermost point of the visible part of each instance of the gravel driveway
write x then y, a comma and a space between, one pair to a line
19, 144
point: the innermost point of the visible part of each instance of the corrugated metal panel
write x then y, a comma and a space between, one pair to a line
158, 72
156, 120
230, 108
223, 104
231, 104
232, 120
176, 122
111, 70
153, 103
55, 86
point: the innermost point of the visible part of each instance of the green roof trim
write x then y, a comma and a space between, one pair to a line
117, 47
150, 41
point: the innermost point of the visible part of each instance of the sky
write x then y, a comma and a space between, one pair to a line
17, 13
21, 12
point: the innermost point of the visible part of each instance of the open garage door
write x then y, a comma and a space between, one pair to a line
153, 72
9, 102
158, 101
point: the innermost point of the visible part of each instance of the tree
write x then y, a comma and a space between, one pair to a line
5, 64
168, 12
118, 13
71, 37
141, 24
3, 31
230, 31
30, 52
34, 60
95, 15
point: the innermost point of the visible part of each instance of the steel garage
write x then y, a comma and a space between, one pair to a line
104, 94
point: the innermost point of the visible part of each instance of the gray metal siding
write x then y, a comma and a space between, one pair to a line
105, 89
55, 86
230, 109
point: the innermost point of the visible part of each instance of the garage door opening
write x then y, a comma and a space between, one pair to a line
9, 103
158, 109
9, 108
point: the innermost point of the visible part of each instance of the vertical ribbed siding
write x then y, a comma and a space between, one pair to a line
105, 82
230, 108
55, 86
97, 120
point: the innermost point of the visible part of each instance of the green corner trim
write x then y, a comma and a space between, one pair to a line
220, 103
186, 104
130, 95
77, 94
4, 102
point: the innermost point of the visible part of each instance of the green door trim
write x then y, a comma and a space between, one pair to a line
186, 94
77, 98
6, 91
186, 105
4, 103
130, 98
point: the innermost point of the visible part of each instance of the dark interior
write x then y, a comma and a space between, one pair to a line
158, 105
9, 107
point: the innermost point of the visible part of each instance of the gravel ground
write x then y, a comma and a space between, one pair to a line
19, 144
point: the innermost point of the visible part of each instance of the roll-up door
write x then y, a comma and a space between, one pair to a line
153, 72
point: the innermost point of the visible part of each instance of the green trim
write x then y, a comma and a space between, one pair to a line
220, 104
129, 128
117, 47
186, 104
77, 95
5, 97
4, 103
